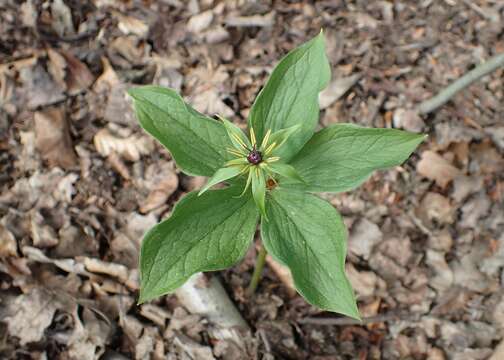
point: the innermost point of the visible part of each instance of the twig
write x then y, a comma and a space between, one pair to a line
447, 93
348, 321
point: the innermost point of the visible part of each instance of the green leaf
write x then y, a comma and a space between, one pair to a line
341, 157
281, 136
307, 234
204, 233
290, 96
219, 176
259, 189
197, 143
285, 170
236, 136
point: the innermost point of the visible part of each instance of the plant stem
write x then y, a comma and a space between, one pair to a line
447, 93
256, 276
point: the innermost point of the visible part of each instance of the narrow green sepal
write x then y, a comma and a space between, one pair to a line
236, 135
259, 190
285, 170
280, 137
219, 176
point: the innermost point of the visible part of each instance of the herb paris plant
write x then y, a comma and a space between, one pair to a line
271, 175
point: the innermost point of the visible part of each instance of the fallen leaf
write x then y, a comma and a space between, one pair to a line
61, 18
435, 167
363, 237
130, 25
200, 22
130, 148
53, 137
165, 182
108, 79
8, 245
31, 314
78, 77
336, 89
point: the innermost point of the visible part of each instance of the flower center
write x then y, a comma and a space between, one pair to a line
254, 157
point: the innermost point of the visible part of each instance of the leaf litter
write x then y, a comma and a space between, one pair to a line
72, 209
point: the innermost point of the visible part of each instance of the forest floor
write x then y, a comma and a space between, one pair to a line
80, 182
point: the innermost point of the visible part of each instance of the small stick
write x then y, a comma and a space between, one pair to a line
348, 321
447, 93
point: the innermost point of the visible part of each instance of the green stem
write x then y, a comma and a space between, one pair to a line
447, 93
256, 276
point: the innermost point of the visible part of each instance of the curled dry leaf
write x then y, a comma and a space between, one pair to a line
200, 22
102, 267
30, 315
108, 79
8, 246
53, 138
130, 148
435, 167
165, 183
336, 89
130, 25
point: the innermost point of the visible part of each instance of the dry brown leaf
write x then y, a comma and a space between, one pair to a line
200, 22
78, 77
336, 89
61, 18
108, 79
130, 25
165, 182
119, 107
43, 235
363, 282
435, 167
102, 267
53, 137
130, 148
8, 246
31, 314
283, 274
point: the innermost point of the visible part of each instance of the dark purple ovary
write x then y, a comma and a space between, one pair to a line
254, 157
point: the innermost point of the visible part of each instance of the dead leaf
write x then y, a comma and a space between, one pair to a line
61, 18
130, 148
53, 137
108, 79
165, 182
336, 89
43, 235
130, 25
78, 77
119, 107
200, 22
38, 89
31, 314
28, 14
435, 167
8, 245
408, 120
363, 237
102, 267
435, 209
363, 282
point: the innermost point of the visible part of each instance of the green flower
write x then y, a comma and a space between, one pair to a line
258, 164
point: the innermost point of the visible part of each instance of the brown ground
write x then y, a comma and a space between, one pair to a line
80, 182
